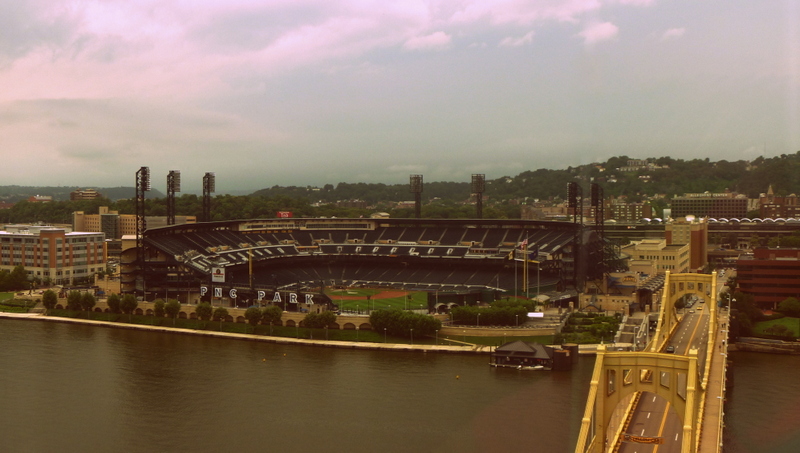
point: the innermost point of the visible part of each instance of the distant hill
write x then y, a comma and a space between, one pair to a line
18, 193
658, 176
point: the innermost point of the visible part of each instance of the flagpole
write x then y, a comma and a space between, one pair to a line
525, 268
516, 285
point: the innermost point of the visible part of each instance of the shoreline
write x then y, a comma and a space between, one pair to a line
475, 349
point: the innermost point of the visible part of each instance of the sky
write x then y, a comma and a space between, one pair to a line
311, 92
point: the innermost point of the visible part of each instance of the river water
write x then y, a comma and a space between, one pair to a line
74, 388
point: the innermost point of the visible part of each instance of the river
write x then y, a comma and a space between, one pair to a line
76, 388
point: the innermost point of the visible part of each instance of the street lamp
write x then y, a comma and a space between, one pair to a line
479, 320
517, 316
384, 334
437, 337
412, 336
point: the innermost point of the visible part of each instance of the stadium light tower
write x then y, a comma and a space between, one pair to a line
478, 186
142, 186
416, 189
575, 200
173, 185
209, 186
599, 223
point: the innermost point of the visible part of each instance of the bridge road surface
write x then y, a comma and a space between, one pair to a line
652, 416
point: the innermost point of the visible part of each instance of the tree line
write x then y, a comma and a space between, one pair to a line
503, 196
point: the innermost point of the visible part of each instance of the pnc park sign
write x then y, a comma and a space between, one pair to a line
277, 298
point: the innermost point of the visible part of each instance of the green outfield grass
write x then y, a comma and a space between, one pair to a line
415, 300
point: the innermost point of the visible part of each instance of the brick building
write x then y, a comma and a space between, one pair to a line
771, 206
770, 275
693, 232
52, 254
715, 205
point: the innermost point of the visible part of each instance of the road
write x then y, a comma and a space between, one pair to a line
653, 416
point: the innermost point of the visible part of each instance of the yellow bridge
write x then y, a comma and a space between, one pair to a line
670, 400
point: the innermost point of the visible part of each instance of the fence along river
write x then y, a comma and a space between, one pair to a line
74, 388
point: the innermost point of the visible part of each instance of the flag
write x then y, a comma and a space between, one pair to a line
534, 253
511, 254
523, 244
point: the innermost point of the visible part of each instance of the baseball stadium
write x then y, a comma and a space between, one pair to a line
302, 265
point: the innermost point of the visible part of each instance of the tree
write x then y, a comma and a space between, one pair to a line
15, 280
204, 311
113, 302
74, 300
272, 315
400, 323
128, 303
220, 313
88, 301
790, 307
173, 307
319, 320
49, 299
158, 307
252, 315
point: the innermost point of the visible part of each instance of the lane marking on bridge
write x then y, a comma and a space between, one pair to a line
689, 344
663, 423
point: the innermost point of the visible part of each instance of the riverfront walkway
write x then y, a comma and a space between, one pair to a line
466, 349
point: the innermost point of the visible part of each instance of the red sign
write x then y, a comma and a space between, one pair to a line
284, 214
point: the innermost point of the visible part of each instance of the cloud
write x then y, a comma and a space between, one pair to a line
434, 41
673, 33
516, 42
598, 32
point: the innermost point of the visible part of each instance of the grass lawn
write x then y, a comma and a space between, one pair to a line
793, 324
10, 305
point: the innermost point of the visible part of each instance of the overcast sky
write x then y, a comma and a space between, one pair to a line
309, 92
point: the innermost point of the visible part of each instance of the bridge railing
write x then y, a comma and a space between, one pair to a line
587, 437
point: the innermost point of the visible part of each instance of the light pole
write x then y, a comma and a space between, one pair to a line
479, 320
437, 337
384, 335
517, 316
412, 336
356, 333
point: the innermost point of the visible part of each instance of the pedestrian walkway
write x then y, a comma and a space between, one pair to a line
466, 349
712, 425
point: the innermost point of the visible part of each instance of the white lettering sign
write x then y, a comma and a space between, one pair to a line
292, 298
232, 293
276, 298
310, 299
203, 291
217, 292
261, 295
